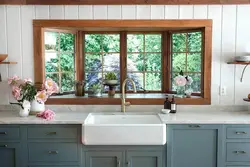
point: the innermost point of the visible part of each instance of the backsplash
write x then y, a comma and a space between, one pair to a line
231, 36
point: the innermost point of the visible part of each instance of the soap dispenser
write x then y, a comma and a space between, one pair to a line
167, 104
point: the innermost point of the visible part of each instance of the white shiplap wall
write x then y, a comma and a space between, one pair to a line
231, 34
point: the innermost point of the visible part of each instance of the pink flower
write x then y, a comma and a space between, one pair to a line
50, 86
27, 80
13, 80
41, 96
16, 92
180, 80
47, 114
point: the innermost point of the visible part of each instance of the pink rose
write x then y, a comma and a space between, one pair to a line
50, 86
41, 96
13, 80
47, 114
27, 80
16, 92
180, 80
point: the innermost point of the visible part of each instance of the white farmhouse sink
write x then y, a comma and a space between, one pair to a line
123, 129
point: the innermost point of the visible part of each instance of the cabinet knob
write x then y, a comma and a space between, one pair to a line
194, 126
51, 133
53, 152
3, 133
241, 133
240, 152
128, 163
4, 146
118, 163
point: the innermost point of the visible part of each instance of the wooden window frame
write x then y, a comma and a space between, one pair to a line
124, 26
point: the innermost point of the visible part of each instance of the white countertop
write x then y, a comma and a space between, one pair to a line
185, 115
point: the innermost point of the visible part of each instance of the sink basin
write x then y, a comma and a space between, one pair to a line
123, 129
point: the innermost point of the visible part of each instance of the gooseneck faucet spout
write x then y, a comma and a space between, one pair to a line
123, 98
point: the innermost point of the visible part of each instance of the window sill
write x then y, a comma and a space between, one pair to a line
134, 99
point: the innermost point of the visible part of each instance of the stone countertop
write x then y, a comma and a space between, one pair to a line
185, 114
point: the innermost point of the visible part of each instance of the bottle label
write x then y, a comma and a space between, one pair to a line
173, 106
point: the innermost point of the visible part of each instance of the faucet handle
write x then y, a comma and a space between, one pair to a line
127, 103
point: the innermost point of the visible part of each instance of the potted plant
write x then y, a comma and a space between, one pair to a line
27, 95
110, 78
95, 90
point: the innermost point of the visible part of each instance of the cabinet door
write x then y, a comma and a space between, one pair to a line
10, 154
104, 158
192, 146
144, 158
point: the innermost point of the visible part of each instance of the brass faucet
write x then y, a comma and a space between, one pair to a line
124, 103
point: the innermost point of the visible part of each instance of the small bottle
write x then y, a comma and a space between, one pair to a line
167, 104
173, 106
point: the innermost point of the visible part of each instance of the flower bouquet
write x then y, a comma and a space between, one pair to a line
25, 92
182, 82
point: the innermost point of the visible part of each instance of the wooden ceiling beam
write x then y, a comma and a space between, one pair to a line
120, 2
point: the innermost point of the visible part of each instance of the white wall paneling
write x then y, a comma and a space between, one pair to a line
230, 37
128, 12
228, 52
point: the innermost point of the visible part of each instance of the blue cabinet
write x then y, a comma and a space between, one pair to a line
194, 145
144, 159
102, 158
10, 154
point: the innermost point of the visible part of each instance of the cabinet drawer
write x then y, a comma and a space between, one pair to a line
9, 133
52, 133
237, 152
53, 152
238, 133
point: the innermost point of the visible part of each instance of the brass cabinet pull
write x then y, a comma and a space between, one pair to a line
118, 163
240, 152
241, 133
194, 126
51, 133
3, 133
53, 152
4, 145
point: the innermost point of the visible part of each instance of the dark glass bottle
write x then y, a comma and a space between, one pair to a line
167, 104
173, 106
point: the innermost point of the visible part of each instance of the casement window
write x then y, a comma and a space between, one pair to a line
152, 57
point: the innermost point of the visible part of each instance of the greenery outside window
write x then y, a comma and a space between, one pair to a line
151, 56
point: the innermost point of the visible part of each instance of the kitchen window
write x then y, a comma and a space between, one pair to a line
152, 57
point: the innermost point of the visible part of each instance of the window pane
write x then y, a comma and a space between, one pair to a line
92, 78
67, 42
196, 85
135, 42
93, 62
93, 43
153, 62
51, 40
153, 81
111, 62
68, 81
153, 42
194, 62
137, 78
111, 43
194, 42
54, 77
179, 42
51, 62
178, 62
67, 63
135, 62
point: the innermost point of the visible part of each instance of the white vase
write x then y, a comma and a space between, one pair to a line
24, 112
36, 107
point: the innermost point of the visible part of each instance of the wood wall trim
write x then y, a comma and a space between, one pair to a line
121, 2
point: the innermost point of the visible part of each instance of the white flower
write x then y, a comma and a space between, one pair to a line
189, 80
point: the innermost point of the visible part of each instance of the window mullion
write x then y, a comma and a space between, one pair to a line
123, 58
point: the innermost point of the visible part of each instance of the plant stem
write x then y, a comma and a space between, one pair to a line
18, 104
